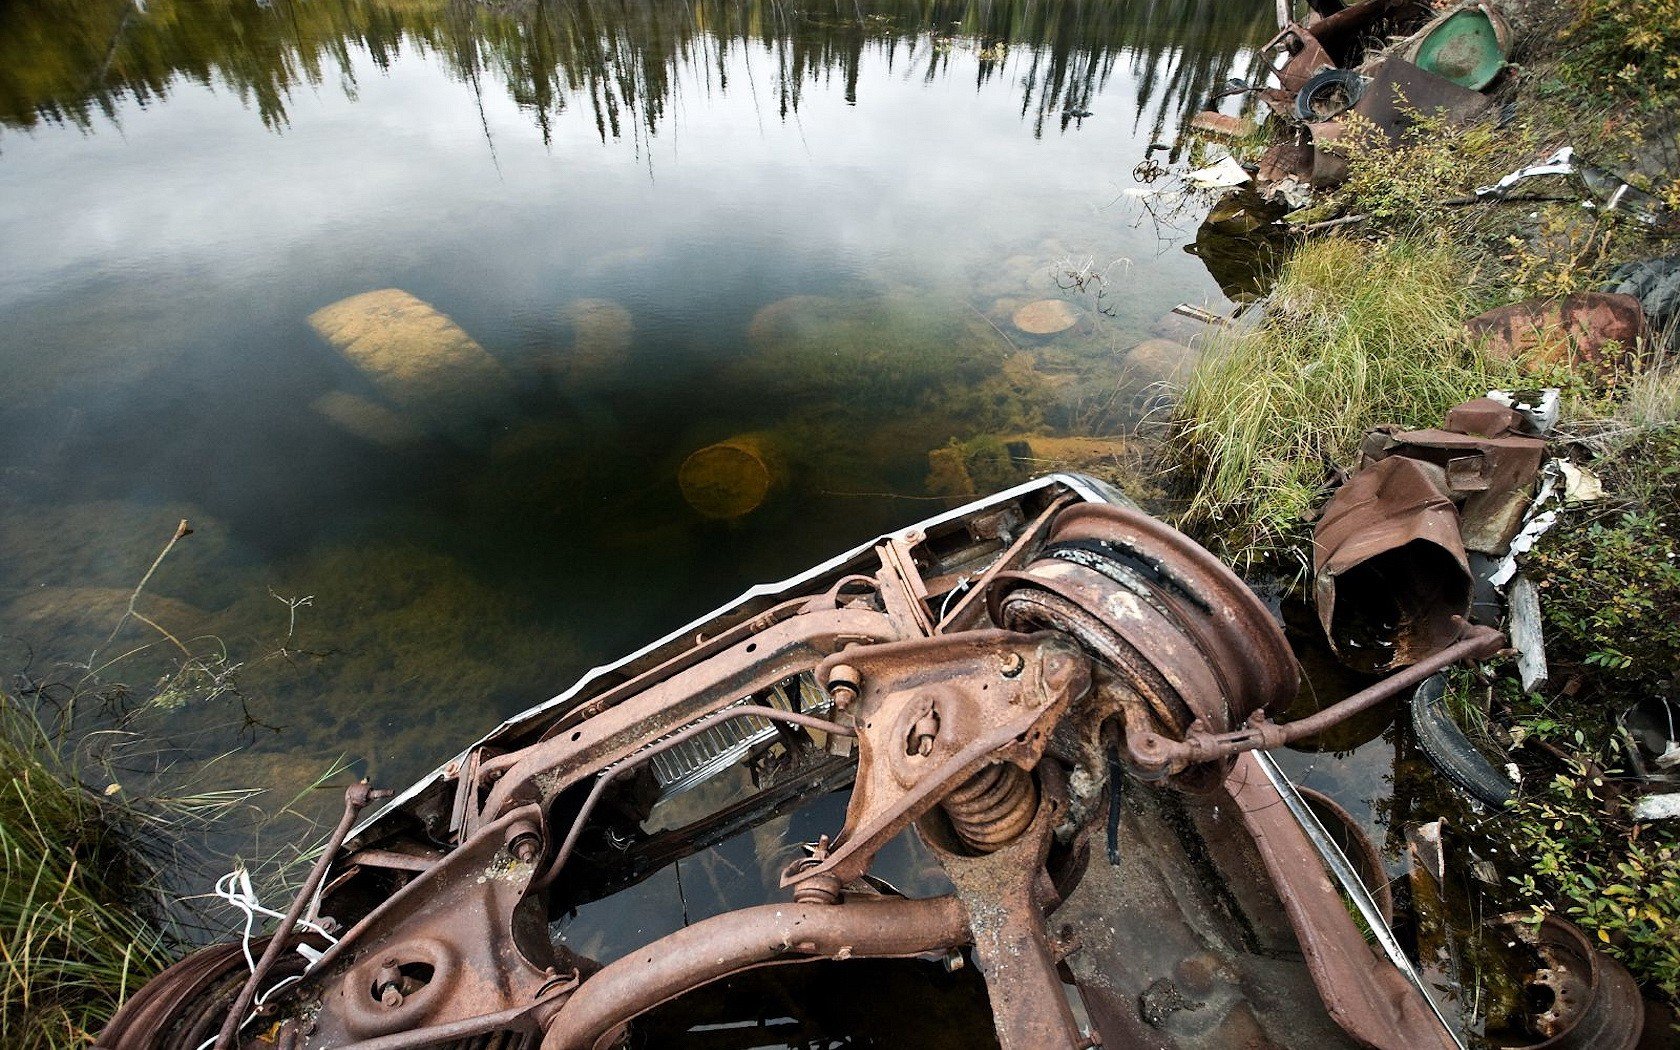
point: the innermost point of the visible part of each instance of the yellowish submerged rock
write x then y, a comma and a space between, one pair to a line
417, 356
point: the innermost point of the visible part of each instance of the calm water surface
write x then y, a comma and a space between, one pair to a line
656, 226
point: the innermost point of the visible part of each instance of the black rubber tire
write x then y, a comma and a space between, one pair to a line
1351, 83
1449, 751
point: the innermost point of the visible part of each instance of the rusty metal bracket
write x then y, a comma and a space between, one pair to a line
931, 714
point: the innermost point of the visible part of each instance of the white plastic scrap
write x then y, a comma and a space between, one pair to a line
1535, 524
1580, 485
1223, 175
1526, 539
1657, 807
1540, 407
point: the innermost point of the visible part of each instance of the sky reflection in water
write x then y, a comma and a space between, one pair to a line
183, 185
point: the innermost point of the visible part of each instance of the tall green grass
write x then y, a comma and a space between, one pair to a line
80, 911
1354, 334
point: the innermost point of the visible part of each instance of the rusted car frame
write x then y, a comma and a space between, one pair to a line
988, 678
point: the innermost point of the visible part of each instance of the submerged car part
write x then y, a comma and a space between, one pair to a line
991, 678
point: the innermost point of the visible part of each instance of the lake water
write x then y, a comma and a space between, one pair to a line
605, 200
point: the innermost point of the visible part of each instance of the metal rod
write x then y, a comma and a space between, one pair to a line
1473, 642
356, 798
741, 940
630, 762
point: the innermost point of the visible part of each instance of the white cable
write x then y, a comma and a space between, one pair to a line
236, 890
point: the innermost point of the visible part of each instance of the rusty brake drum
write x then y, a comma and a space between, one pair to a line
1170, 624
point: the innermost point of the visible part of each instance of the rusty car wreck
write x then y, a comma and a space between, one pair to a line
1063, 700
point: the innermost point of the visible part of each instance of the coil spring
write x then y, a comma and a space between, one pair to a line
993, 807
818, 889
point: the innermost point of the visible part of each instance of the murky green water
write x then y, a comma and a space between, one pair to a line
656, 226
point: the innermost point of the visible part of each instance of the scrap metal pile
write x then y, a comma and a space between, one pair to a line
987, 681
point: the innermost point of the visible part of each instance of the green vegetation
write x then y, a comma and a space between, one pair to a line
1630, 50
80, 909
1619, 881
1610, 575
1355, 334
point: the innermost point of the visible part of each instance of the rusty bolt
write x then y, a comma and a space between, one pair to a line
1013, 663
391, 997
922, 734
843, 682
953, 961
524, 841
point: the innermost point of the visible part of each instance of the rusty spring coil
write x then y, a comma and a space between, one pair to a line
993, 807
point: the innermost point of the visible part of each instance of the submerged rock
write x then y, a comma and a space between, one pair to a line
731, 478
601, 335
418, 357
81, 618
368, 420
986, 464
1046, 317
1162, 361
874, 351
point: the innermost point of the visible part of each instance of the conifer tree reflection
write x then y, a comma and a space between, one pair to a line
72, 61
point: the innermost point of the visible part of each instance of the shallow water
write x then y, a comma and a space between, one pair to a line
601, 198
613, 234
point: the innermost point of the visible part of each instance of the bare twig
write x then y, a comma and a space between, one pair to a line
181, 531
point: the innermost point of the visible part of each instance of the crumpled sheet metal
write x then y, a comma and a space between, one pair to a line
1490, 463
1397, 93
1389, 568
1585, 327
1390, 553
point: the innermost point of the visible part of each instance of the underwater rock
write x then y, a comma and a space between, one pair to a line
85, 616
871, 351
991, 462
418, 357
601, 336
731, 478
1046, 317
109, 543
948, 474
1162, 361
368, 420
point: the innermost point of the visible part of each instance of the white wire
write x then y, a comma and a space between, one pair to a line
235, 889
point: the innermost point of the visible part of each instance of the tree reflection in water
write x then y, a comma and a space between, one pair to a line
70, 61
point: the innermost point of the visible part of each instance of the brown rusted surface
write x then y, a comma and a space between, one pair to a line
1366, 996
726, 944
457, 926
1591, 999
1389, 568
1400, 93
1490, 464
972, 678
933, 713
1596, 328
1005, 893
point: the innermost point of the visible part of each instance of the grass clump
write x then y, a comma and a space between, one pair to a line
1355, 334
80, 913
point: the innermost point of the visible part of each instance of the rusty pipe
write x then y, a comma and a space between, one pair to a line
613, 772
356, 798
1155, 753
740, 940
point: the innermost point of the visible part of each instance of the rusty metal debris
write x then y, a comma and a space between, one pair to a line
1582, 997
984, 681
1390, 553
